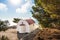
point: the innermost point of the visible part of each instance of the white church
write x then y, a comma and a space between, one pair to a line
26, 26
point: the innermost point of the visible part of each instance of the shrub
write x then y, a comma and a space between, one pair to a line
3, 26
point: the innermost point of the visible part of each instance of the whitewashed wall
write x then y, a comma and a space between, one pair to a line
26, 29
23, 29
33, 27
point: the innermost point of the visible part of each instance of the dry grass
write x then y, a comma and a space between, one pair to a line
10, 33
45, 34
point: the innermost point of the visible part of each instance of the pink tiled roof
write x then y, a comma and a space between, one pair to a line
30, 21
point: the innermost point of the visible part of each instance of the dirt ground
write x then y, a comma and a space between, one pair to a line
48, 34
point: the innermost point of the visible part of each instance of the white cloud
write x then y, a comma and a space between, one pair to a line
15, 2
21, 10
3, 7
24, 8
18, 10
26, 0
11, 22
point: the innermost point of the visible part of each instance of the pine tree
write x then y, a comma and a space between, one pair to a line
3, 26
47, 12
16, 20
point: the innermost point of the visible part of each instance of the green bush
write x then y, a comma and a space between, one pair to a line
3, 26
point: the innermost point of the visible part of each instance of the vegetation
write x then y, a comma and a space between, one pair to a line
3, 25
16, 20
47, 12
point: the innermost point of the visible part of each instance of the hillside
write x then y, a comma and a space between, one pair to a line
48, 34
44, 34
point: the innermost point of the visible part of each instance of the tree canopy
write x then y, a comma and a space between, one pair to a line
3, 25
47, 12
15, 20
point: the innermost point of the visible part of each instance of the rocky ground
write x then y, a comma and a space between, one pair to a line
48, 34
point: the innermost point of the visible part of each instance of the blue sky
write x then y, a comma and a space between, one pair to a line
15, 10
10, 9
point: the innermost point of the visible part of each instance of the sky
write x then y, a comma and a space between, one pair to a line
10, 9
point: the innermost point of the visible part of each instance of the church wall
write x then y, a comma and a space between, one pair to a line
33, 27
27, 28
23, 29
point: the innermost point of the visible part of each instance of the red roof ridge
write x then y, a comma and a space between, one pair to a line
30, 21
